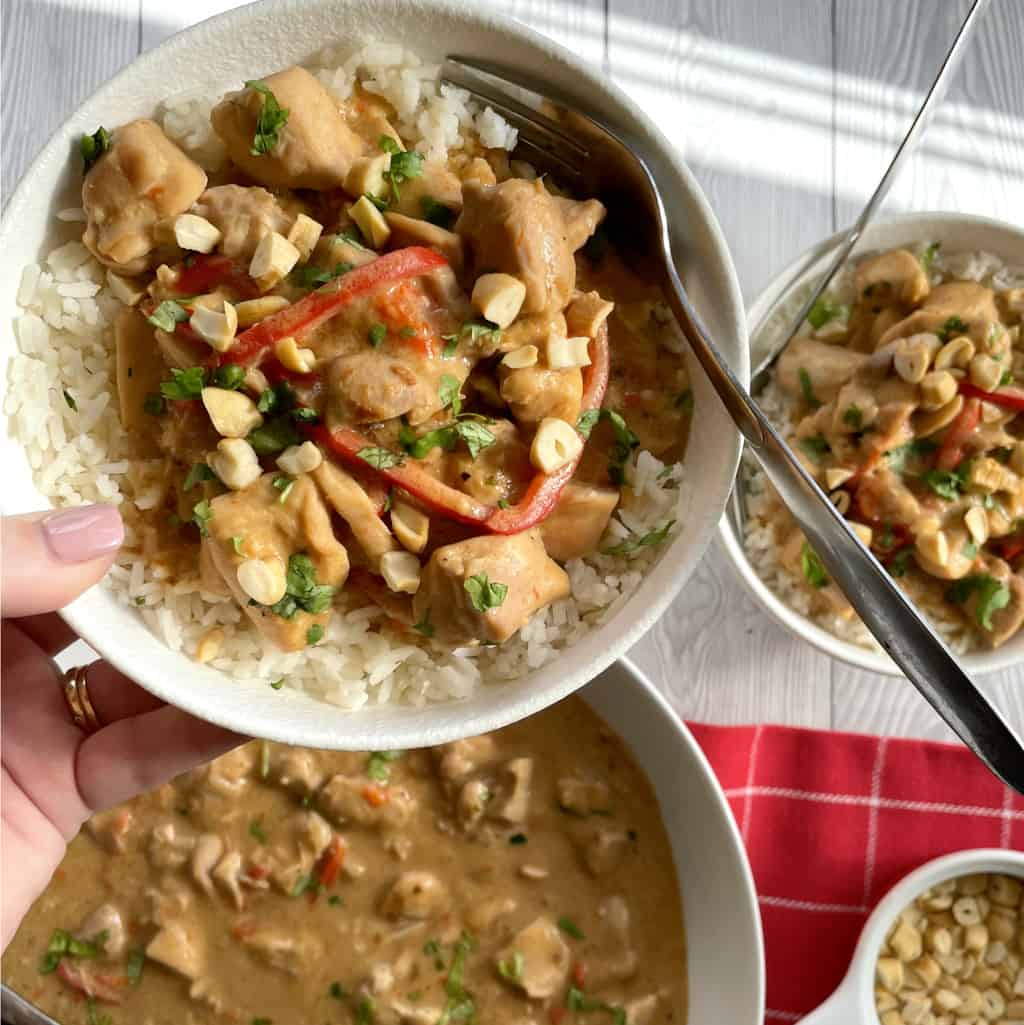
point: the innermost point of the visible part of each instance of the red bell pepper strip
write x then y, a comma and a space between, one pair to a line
435, 494
545, 489
541, 495
312, 310
205, 273
951, 453
334, 858
1007, 397
97, 986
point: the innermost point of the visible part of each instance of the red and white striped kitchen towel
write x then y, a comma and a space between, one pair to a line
831, 821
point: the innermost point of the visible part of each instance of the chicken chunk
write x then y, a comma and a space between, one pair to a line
543, 956
169, 845
105, 927
518, 228
583, 796
893, 276
578, 522
298, 770
315, 147
244, 216
827, 368
288, 950
461, 758
500, 471
273, 531
963, 302
458, 592
207, 852
512, 802
142, 179
357, 509
346, 801
435, 182
603, 849
181, 946
535, 393
419, 895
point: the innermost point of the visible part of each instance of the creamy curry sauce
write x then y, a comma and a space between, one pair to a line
349, 367
519, 877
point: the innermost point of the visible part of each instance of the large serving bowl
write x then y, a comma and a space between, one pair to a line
771, 313
220, 54
719, 903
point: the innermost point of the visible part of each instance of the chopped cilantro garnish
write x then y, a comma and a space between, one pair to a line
336, 989
272, 118
512, 967
576, 1000
92, 147
824, 310
314, 634
256, 831
302, 884
449, 391
951, 326
853, 417
437, 213
284, 484
277, 684
167, 315
376, 335
814, 571
815, 447
897, 457
993, 595
570, 928
302, 591
683, 402
517, 839
202, 513
70, 400
899, 562
378, 765
945, 483
807, 387
380, 458
310, 276
424, 626
274, 436
483, 594
198, 473
229, 376
405, 164
184, 384
236, 543
928, 256
136, 961
632, 544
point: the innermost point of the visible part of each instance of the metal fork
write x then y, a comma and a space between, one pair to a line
572, 140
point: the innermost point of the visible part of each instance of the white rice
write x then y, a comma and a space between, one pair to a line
61, 407
762, 507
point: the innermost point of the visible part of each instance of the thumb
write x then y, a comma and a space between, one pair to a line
51, 557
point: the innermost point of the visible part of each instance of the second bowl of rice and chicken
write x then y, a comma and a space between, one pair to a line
901, 395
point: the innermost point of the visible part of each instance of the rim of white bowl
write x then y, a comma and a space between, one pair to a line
402, 726
783, 283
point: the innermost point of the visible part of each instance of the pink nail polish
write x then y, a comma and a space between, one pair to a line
84, 532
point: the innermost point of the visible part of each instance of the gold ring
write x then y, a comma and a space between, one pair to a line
76, 695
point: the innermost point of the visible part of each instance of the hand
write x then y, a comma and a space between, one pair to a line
54, 774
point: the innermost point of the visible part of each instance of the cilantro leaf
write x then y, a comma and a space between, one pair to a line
816, 447
377, 334
807, 387
449, 391
273, 436
380, 458
92, 147
813, 570
272, 118
483, 594
167, 315
198, 473
437, 213
202, 513
184, 384
824, 310
229, 376
654, 537
951, 326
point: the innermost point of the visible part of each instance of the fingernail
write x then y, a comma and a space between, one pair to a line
83, 533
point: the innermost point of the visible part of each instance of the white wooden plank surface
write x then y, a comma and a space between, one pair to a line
787, 111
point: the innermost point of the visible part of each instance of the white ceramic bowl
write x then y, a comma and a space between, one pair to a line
956, 232
853, 1002
719, 902
221, 53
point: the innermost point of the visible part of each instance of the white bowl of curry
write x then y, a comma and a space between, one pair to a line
903, 399
470, 605
558, 870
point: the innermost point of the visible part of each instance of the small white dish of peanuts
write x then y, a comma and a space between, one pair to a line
945, 946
